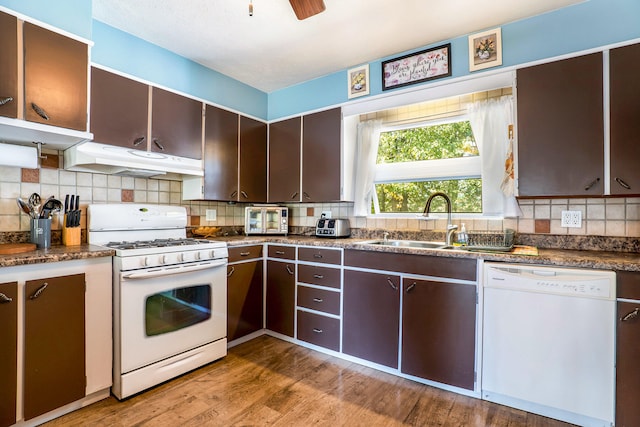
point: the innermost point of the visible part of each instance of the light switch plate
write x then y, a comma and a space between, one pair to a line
571, 219
212, 214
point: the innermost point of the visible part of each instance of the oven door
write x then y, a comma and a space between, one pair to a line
170, 310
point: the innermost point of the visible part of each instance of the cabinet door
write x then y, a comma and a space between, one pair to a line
220, 154
244, 299
54, 353
284, 160
438, 331
8, 352
321, 156
176, 124
280, 297
371, 316
560, 128
55, 78
624, 65
119, 110
627, 367
253, 160
8, 66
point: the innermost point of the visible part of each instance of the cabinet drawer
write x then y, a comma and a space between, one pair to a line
326, 256
628, 284
244, 252
323, 276
286, 252
319, 299
319, 330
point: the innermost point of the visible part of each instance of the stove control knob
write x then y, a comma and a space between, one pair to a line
181, 257
197, 255
146, 261
163, 259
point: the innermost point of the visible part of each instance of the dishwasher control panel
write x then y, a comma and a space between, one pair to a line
560, 281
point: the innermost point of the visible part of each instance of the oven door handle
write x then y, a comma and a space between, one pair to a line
176, 269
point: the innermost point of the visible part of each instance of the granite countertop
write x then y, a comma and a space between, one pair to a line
604, 260
54, 254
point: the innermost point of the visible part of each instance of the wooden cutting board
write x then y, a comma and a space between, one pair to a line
16, 248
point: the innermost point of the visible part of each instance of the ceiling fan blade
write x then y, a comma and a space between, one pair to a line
306, 8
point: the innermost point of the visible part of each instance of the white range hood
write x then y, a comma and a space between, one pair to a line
114, 160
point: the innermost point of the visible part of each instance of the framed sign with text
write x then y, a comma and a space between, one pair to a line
417, 67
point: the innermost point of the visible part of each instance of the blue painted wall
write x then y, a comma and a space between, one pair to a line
73, 16
131, 55
587, 25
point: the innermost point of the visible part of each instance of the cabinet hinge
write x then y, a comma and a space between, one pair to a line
477, 296
475, 376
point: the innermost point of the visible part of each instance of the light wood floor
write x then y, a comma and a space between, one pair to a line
269, 382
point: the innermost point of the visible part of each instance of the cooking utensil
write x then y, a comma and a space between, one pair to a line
24, 206
34, 202
76, 216
50, 206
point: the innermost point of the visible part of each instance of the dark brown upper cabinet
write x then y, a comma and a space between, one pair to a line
624, 67
55, 78
284, 160
322, 156
176, 125
8, 65
119, 110
253, 161
220, 154
561, 128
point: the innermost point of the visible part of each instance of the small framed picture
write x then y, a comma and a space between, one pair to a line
358, 81
485, 49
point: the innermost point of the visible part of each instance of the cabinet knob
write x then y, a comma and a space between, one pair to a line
631, 315
591, 184
244, 194
139, 140
410, 287
306, 195
4, 299
318, 300
318, 276
157, 143
39, 111
245, 253
39, 291
289, 270
5, 100
294, 196
234, 194
279, 252
317, 330
231, 271
622, 184
393, 285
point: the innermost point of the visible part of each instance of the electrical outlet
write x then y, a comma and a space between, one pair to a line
212, 214
326, 214
571, 219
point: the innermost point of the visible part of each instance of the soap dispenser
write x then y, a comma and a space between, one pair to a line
462, 235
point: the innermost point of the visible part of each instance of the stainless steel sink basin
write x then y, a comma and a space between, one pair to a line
410, 244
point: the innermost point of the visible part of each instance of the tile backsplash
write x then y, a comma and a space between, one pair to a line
615, 217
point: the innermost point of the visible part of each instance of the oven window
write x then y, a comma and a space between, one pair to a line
177, 309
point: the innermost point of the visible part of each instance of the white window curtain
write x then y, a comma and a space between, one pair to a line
490, 122
368, 138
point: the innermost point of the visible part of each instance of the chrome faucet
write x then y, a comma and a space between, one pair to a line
450, 227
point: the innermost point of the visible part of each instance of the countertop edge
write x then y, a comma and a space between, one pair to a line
55, 254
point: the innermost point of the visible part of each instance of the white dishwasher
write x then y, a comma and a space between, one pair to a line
549, 341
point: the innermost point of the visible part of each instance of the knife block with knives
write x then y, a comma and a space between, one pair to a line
71, 222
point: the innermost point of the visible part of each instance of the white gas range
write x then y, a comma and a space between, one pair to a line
170, 293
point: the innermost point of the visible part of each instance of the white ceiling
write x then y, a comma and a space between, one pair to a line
272, 50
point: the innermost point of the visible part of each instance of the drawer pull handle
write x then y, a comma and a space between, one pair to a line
244, 194
245, 253
317, 255
4, 298
279, 252
157, 143
306, 195
234, 194
233, 269
318, 300
591, 184
39, 111
139, 140
631, 315
6, 100
318, 276
39, 291
623, 184
410, 287
289, 270
317, 331
294, 195
393, 285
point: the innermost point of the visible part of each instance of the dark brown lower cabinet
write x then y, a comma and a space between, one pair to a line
438, 331
281, 289
8, 352
54, 359
371, 316
244, 299
628, 365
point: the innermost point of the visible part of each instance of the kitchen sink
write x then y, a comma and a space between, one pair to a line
410, 244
